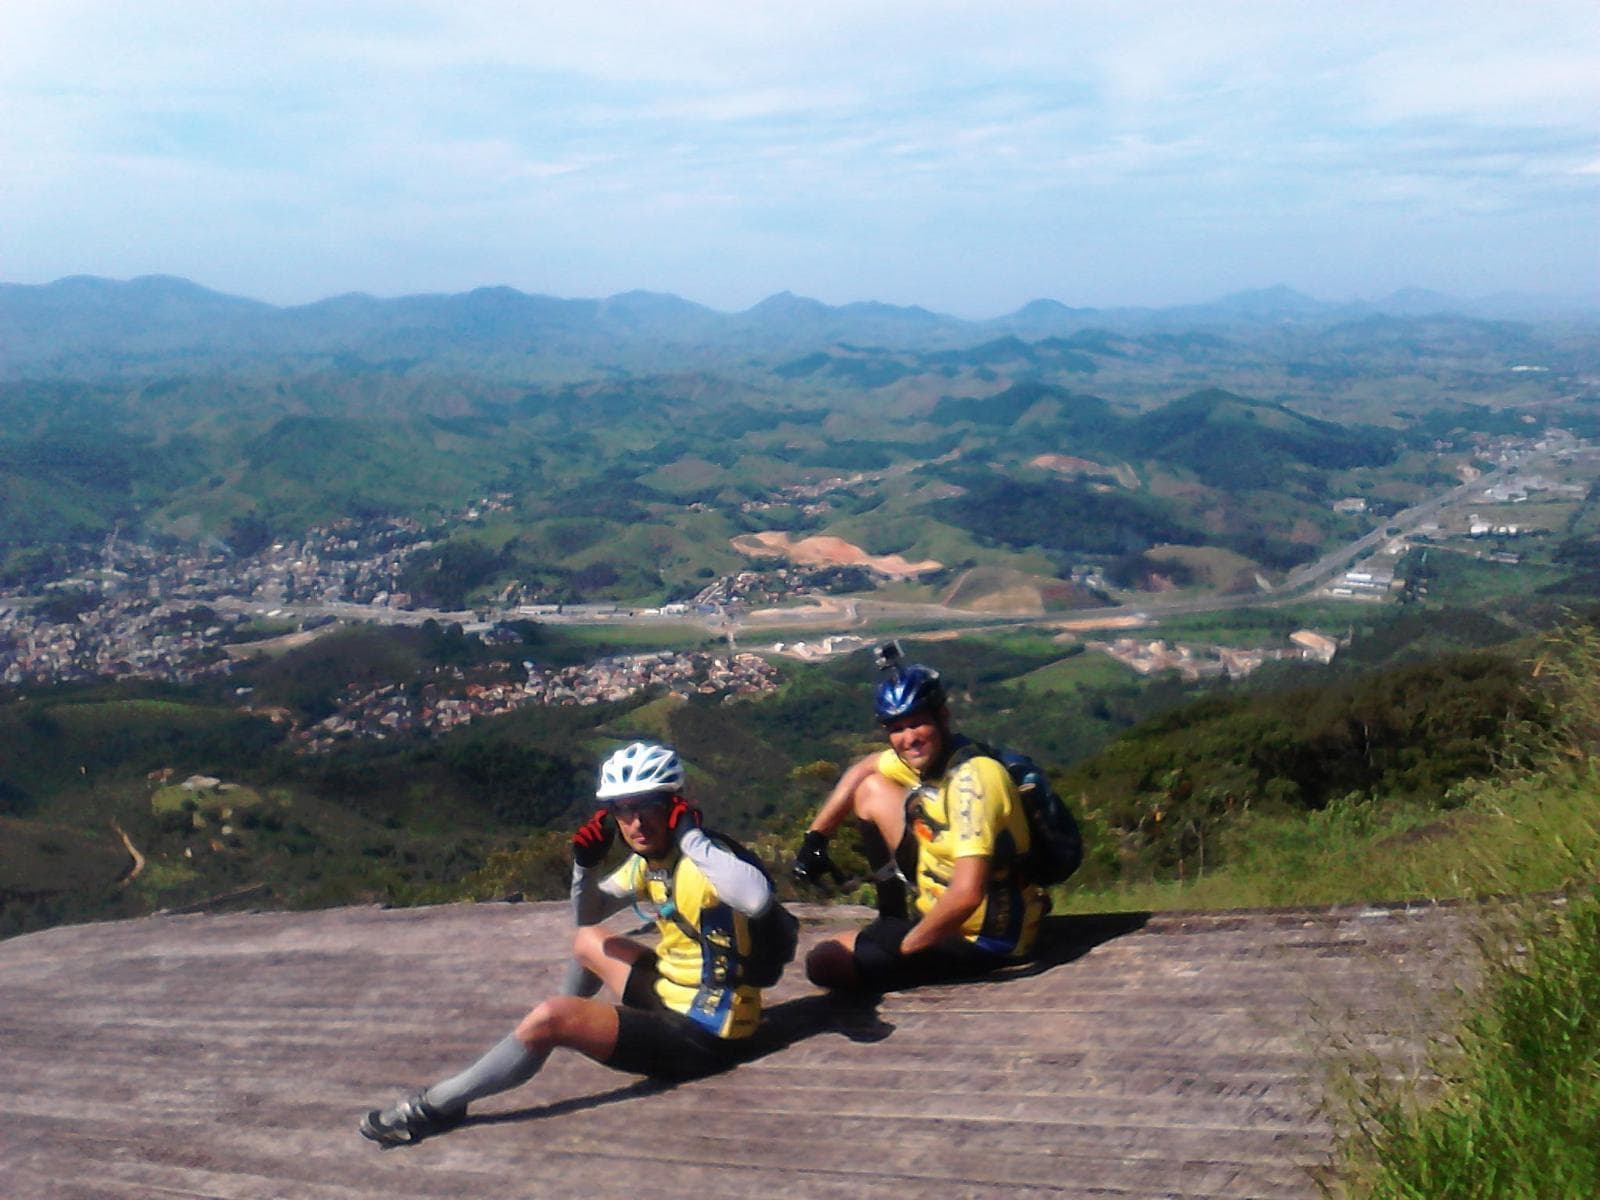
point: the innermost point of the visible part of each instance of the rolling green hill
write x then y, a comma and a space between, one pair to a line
1172, 787
1234, 443
626, 442
158, 406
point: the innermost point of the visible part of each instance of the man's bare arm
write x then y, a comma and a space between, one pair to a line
951, 910
840, 803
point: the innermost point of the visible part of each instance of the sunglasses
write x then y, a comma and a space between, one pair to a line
629, 810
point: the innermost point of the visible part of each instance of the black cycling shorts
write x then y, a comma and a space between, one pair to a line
883, 968
654, 1040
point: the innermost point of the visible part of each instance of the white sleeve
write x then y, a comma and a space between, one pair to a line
740, 885
592, 902
595, 895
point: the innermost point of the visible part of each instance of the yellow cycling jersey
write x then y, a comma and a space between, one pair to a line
694, 975
973, 811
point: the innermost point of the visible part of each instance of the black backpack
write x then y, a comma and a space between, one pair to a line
1055, 844
774, 935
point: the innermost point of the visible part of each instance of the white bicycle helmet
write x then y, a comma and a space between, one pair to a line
638, 769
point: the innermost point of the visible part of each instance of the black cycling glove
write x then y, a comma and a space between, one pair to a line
812, 863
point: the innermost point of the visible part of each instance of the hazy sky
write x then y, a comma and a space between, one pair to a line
967, 157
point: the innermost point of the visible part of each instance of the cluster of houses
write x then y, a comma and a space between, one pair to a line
809, 508
1505, 450
682, 673
799, 494
1212, 662
147, 613
126, 637
395, 709
349, 562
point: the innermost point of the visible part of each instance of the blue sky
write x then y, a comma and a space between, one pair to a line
967, 157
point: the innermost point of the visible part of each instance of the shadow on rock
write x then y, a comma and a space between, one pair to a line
1063, 939
782, 1025
853, 1015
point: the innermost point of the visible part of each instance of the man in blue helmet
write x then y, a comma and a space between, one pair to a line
685, 1009
958, 821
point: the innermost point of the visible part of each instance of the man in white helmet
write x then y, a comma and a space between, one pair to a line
684, 1009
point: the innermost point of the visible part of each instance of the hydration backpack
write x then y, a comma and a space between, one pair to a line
774, 937
774, 934
1055, 844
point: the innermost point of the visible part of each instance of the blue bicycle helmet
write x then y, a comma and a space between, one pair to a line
911, 689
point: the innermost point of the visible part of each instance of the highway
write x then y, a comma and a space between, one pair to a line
861, 614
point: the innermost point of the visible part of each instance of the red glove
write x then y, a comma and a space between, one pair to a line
681, 817
593, 839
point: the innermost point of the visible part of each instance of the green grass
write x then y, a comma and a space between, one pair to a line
1518, 1110
636, 639
1214, 567
229, 798
93, 718
688, 474
652, 719
1257, 626
919, 538
1088, 669
1459, 578
1537, 512
262, 629
158, 879
53, 745
40, 856
1025, 640
1506, 837
1509, 1106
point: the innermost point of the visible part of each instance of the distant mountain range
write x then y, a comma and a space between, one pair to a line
84, 325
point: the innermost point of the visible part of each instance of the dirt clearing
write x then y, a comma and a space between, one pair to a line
827, 551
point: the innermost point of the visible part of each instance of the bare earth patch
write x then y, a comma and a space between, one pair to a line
994, 589
1213, 566
808, 608
273, 645
1066, 463
1086, 624
826, 551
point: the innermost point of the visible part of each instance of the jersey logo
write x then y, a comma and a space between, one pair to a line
919, 820
969, 799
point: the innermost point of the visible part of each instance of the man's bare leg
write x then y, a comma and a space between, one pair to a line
832, 964
880, 805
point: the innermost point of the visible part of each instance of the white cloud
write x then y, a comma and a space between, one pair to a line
760, 144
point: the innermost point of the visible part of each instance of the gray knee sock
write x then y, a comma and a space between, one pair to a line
579, 981
508, 1064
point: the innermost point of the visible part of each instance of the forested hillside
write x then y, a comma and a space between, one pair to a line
220, 520
1164, 778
